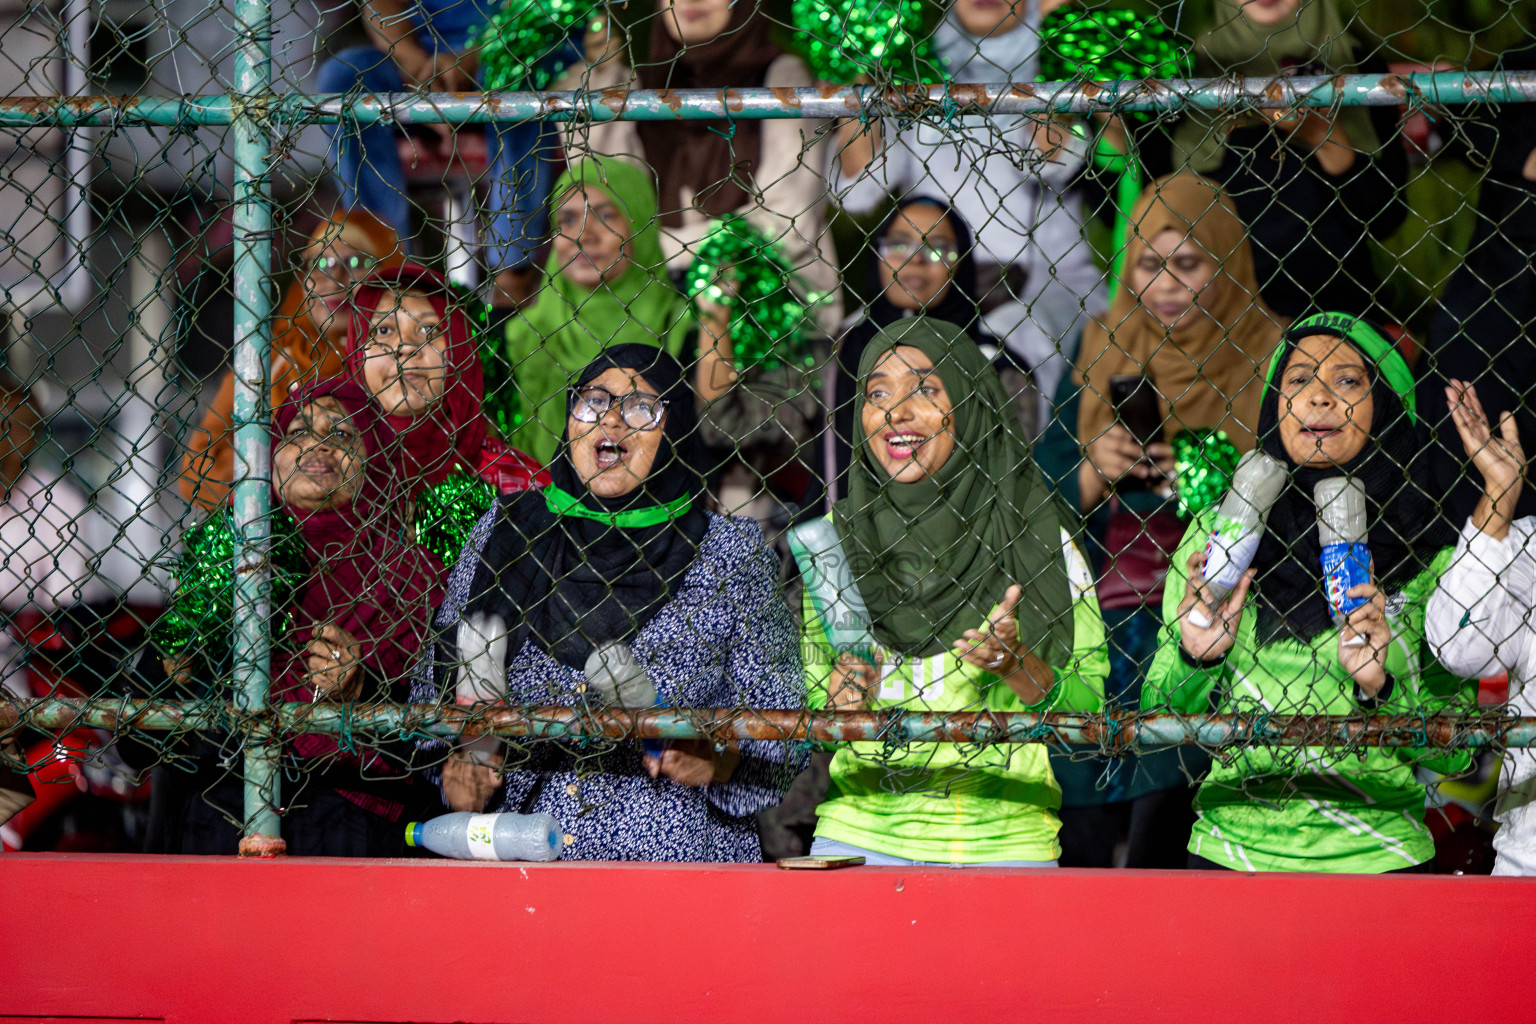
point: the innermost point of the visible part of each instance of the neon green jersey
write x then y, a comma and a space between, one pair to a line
955, 802
1307, 808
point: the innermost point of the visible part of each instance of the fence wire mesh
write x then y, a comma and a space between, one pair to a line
723, 424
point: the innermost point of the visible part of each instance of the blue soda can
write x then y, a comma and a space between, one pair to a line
1346, 560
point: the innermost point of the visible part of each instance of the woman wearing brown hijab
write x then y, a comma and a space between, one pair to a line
771, 172
1189, 319
309, 341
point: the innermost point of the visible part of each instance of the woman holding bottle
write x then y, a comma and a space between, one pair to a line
1338, 404
617, 570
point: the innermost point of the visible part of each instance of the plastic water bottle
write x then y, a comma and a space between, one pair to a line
1346, 559
466, 836
1256, 483
829, 581
614, 674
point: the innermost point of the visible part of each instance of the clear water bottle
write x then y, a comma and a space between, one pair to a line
829, 581
467, 836
615, 675
1346, 560
1256, 483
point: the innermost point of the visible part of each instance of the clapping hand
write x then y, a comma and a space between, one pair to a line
1499, 458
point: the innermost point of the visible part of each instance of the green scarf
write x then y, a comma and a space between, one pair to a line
568, 326
1237, 46
933, 557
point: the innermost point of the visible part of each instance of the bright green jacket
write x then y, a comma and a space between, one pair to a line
1309, 808
956, 803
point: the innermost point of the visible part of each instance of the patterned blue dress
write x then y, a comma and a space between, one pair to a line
726, 639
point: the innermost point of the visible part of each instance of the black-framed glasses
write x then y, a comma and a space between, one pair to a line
896, 251
638, 410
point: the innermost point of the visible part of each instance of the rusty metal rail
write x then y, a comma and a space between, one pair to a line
1233, 95
1113, 734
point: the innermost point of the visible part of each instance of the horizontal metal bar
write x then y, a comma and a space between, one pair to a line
1111, 733
1231, 95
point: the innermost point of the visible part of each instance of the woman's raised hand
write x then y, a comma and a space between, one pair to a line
1207, 630
1365, 637
335, 667
468, 784
1498, 457
996, 649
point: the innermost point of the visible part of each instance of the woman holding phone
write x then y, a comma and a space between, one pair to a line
1181, 349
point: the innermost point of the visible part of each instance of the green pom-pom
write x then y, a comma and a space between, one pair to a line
887, 40
1108, 46
517, 42
738, 267
1203, 464
501, 404
445, 514
203, 608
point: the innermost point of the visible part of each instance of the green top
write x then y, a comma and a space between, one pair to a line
569, 325
954, 802
1311, 808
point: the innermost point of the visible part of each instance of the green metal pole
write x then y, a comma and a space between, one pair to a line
1226, 95
251, 102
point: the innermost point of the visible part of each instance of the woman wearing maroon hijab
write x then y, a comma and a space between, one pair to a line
354, 604
411, 347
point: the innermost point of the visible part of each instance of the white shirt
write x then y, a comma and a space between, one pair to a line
1480, 622
45, 559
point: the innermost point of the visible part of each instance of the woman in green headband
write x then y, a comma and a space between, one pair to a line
1338, 402
977, 600
615, 586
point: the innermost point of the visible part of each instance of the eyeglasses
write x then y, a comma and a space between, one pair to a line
354, 265
895, 251
640, 411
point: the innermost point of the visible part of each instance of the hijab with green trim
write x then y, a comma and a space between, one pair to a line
1406, 529
569, 325
1315, 41
934, 556
570, 570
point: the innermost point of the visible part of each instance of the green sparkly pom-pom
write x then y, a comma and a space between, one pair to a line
516, 43
445, 514
1107, 46
737, 266
886, 40
203, 608
1203, 463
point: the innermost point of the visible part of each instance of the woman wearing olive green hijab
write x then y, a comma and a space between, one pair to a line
606, 285
1312, 187
977, 600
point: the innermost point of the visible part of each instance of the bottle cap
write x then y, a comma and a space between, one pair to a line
413, 833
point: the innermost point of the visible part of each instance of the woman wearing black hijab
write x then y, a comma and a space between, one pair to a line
615, 586
924, 266
1338, 402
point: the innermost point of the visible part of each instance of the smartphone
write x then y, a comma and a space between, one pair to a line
823, 863
1134, 399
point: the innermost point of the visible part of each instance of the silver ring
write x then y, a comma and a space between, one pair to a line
335, 655
997, 662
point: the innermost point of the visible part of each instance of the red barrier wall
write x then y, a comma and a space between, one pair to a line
219, 940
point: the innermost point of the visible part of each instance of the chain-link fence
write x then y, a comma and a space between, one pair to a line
977, 433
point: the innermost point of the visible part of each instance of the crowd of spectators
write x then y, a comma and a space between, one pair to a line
571, 489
